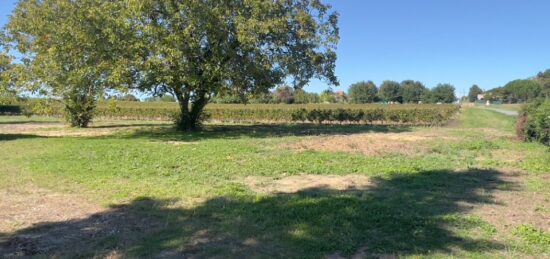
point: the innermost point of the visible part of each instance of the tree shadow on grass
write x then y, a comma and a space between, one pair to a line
8, 137
228, 131
407, 214
28, 122
129, 125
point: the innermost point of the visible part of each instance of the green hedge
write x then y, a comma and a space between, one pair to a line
423, 114
534, 122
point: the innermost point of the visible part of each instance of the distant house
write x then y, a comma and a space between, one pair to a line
480, 97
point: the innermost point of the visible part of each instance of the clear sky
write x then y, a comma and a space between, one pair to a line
462, 42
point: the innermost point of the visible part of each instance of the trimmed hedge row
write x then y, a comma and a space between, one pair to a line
274, 113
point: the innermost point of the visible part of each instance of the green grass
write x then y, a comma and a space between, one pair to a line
191, 198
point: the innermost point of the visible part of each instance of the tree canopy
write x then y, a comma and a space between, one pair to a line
413, 91
363, 92
196, 49
443, 93
474, 91
544, 80
390, 91
69, 49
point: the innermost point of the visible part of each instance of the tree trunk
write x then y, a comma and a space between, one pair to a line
189, 118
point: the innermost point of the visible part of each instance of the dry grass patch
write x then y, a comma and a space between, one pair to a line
373, 144
297, 183
24, 207
56, 129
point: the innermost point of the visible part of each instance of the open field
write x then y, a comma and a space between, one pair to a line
140, 189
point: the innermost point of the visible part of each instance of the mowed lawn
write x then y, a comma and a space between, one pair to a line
140, 189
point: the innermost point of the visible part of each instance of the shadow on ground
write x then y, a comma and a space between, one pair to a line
130, 125
7, 137
213, 131
28, 122
409, 214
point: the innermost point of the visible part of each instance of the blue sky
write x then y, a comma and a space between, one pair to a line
487, 42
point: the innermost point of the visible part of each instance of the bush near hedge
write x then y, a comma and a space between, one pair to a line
534, 122
425, 114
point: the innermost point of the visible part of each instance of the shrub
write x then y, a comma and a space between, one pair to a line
533, 122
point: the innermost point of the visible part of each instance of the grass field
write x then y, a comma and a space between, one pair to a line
140, 189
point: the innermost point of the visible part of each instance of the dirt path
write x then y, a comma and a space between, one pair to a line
503, 111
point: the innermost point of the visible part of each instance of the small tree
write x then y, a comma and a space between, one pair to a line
391, 91
363, 92
69, 49
473, 93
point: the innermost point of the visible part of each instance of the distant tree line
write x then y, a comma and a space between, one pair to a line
408, 91
522, 90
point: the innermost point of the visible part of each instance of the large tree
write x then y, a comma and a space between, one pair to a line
69, 49
474, 91
391, 91
195, 49
363, 92
413, 91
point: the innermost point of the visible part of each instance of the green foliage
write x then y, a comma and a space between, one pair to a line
442, 93
303, 97
164, 98
533, 235
328, 96
534, 122
544, 79
413, 91
521, 90
128, 98
70, 50
197, 49
474, 91
8, 92
391, 91
363, 92
79, 107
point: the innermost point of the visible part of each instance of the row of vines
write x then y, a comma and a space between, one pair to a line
267, 113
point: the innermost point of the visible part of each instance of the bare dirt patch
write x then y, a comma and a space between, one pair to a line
373, 144
297, 183
56, 129
38, 222
21, 208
